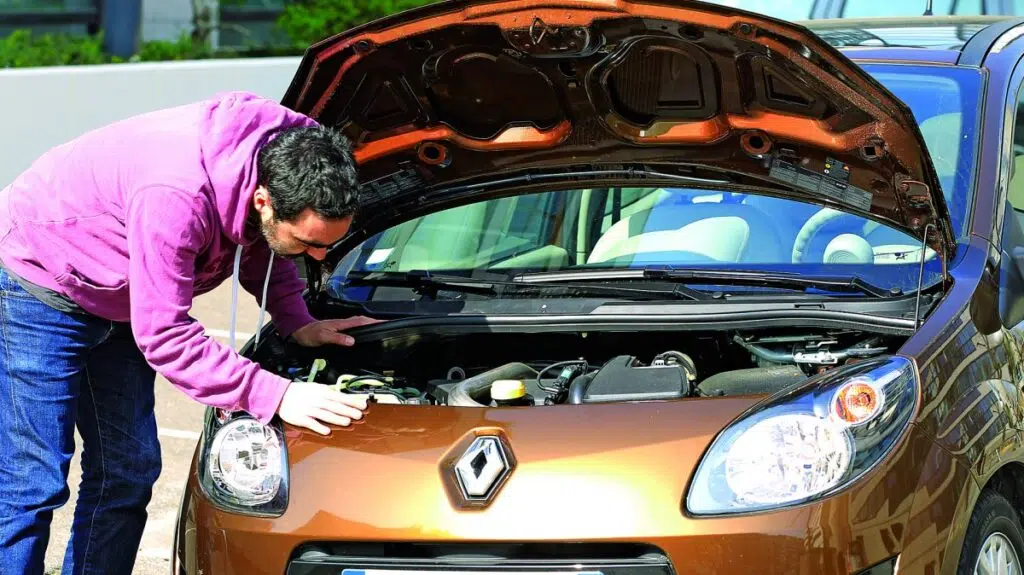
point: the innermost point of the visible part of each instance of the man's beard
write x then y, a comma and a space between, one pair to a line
269, 231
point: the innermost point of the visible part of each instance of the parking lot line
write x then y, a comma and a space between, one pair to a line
177, 433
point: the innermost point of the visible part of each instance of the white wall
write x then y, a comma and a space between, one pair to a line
43, 107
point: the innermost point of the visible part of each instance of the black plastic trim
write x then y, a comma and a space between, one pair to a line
887, 567
89, 15
628, 321
242, 14
977, 48
499, 558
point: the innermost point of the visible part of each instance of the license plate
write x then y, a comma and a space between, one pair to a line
459, 572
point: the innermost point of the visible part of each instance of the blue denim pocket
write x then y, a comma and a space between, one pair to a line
10, 286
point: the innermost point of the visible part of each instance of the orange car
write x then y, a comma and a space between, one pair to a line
672, 288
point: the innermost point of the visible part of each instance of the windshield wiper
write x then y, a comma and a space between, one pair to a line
423, 282
429, 284
708, 276
771, 279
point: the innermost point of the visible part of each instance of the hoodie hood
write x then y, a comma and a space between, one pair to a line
233, 128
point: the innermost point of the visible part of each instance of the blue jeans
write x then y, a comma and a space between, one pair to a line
58, 371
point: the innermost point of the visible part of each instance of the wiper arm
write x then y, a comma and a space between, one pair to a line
712, 276
588, 289
424, 282
770, 279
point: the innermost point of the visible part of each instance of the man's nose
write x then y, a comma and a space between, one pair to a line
317, 253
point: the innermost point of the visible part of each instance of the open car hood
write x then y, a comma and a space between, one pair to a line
461, 91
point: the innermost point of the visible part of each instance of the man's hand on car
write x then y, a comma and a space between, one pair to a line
329, 331
308, 404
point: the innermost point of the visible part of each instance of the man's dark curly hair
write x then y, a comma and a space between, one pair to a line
309, 167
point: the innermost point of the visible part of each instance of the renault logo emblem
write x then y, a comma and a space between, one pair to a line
481, 467
477, 467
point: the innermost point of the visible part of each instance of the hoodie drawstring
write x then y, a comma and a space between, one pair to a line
263, 300
234, 296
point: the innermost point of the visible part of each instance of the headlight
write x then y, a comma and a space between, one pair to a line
809, 442
243, 465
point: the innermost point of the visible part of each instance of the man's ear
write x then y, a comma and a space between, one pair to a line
261, 200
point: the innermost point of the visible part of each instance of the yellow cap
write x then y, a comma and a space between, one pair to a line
505, 389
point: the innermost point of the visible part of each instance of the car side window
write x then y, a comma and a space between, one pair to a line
1015, 186
1012, 240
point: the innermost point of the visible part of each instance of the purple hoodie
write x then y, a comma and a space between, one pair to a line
133, 220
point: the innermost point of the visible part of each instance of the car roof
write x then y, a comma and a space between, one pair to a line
935, 39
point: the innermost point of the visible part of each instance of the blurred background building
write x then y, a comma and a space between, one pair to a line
128, 25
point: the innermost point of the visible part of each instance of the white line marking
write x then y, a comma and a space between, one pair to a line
240, 336
177, 433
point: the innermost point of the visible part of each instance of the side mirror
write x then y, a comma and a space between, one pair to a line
1018, 259
1013, 234
1011, 286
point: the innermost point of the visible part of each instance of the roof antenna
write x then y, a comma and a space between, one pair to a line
928, 8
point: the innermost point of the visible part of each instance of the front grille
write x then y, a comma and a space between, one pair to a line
497, 559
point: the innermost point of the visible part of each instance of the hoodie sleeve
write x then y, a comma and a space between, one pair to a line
284, 294
166, 230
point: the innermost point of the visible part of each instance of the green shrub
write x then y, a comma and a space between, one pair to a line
309, 21
22, 48
304, 21
184, 48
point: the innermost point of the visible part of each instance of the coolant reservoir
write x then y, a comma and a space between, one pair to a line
507, 392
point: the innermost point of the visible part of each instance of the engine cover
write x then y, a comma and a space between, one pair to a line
624, 378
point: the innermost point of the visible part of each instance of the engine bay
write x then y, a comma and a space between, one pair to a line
537, 369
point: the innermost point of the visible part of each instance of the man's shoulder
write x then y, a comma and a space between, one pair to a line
242, 97
241, 106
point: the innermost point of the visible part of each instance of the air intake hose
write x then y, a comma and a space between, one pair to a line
475, 391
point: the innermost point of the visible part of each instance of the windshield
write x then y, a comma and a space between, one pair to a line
623, 227
792, 10
811, 9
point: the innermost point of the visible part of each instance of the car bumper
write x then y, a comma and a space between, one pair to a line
813, 539
654, 564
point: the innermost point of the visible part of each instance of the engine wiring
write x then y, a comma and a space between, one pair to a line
560, 390
764, 363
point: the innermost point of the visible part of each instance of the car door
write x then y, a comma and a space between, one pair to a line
1012, 206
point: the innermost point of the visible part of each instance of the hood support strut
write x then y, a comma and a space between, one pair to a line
920, 274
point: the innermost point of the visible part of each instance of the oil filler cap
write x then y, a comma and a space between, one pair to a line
507, 389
